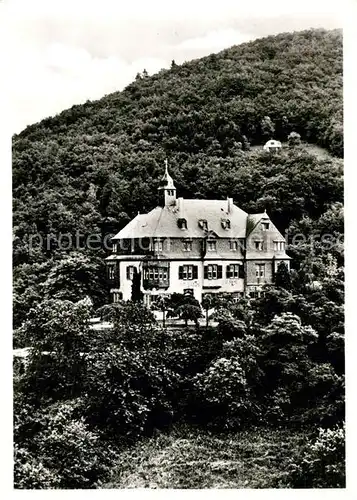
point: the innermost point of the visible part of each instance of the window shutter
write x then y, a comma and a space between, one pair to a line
241, 271
180, 272
219, 272
195, 272
205, 273
228, 271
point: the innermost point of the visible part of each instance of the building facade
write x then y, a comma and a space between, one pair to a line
272, 146
194, 246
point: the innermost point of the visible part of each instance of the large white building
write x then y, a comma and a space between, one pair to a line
194, 246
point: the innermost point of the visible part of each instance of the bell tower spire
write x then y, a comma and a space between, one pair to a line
167, 190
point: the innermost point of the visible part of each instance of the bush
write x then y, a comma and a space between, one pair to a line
224, 396
30, 473
129, 392
64, 453
322, 464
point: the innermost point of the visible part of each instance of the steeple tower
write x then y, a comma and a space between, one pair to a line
167, 190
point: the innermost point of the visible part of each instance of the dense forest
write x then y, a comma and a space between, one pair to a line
93, 167
277, 361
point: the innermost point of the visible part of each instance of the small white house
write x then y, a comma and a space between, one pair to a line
272, 145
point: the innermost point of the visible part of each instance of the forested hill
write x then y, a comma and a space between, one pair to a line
92, 167
295, 78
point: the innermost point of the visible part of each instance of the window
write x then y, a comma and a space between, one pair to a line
235, 271
188, 272
258, 245
182, 223
279, 246
187, 246
185, 273
226, 223
211, 246
213, 272
117, 296
115, 247
156, 273
111, 272
265, 226
233, 245
170, 192
130, 270
203, 224
260, 270
158, 246
254, 295
188, 291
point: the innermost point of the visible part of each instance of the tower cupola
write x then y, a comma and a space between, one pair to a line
167, 190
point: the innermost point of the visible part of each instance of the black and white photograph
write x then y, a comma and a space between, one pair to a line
178, 276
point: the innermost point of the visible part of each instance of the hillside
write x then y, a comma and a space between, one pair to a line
92, 167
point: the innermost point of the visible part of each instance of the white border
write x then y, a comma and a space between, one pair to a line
350, 83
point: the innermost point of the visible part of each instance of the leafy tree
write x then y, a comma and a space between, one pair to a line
136, 293
58, 333
76, 277
189, 312
162, 304
224, 393
282, 277
294, 139
207, 304
267, 127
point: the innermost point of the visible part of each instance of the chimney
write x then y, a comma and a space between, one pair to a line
229, 204
179, 204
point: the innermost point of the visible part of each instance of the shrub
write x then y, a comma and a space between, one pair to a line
126, 389
224, 396
30, 473
322, 464
294, 139
64, 453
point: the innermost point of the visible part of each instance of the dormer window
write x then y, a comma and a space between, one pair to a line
182, 223
226, 223
279, 246
187, 246
258, 245
211, 246
265, 226
233, 245
203, 224
158, 246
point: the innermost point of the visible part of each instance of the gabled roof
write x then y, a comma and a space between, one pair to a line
272, 143
161, 222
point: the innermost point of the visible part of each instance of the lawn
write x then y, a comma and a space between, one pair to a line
318, 151
188, 457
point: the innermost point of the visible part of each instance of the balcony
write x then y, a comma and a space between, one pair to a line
156, 274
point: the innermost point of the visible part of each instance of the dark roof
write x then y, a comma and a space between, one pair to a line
161, 222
